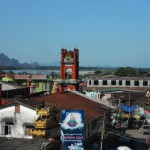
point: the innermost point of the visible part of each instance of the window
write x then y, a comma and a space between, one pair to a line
136, 83
145, 83
68, 59
104, 82
27, 128
120, 82
36, 85
98, 95
95, 82
68, 76
46, 86
89, 82
6, 128
127, 83
113, 82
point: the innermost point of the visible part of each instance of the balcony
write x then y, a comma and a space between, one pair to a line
36, 132
43, 111
68, 60
67, 81
40, 124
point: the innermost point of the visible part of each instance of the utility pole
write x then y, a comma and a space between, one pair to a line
102, 133
129, 104
120, 113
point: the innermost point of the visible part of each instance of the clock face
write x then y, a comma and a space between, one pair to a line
68, 70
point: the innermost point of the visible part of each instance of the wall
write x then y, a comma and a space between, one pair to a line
96, 95
39, 85
90, 83
91, 94
26, 115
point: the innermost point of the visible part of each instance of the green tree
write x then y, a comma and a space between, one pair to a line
25, 73
10, 72
97, 72
126, 71
2, 72
143, 72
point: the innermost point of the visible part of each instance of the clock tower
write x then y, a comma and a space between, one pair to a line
69, 70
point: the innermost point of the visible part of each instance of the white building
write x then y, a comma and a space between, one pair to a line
98, 95
16, 119
119, 82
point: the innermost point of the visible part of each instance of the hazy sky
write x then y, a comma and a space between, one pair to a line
106, 32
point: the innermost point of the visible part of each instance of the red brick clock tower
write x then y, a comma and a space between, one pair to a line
69, 70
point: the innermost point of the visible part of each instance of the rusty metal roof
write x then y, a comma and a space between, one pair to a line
26, 102
70, 100
32, 77
26, 144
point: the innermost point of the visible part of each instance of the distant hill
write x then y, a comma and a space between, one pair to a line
6, 61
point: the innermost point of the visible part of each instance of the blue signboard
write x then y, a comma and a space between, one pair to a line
72, 129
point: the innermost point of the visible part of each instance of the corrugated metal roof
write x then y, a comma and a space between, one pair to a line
20, 144
109, 90
38, 77
26, 102
19, 76
32, 77
70, 100
25, 144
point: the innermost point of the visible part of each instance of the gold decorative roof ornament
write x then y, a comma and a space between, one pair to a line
36, 132
46, 119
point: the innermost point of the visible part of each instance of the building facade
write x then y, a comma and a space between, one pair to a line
119, 82
15, 120
36, 83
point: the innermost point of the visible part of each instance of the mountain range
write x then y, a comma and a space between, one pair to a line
6, 61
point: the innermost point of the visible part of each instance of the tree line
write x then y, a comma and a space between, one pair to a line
126, 72
122, 71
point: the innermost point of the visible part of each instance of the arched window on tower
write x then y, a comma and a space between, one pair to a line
68, 73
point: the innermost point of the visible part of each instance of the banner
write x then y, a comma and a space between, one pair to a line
72, 129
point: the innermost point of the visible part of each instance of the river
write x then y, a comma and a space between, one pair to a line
47, 72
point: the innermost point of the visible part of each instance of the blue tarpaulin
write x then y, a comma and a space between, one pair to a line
127, 108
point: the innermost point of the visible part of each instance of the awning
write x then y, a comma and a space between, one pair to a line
9, 123
127, 108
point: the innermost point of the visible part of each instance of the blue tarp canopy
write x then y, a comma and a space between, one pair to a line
127, 108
